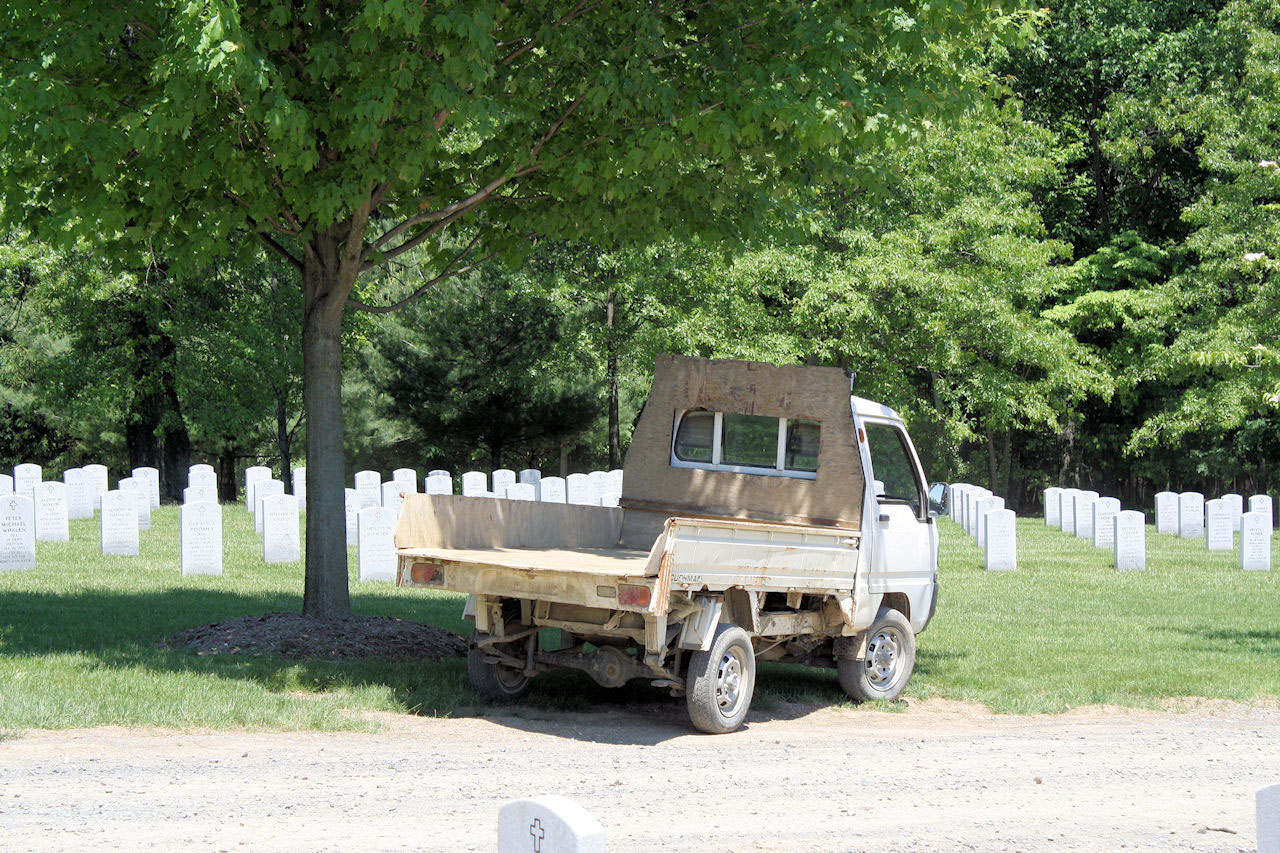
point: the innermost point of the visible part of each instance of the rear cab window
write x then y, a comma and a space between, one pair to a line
750, 444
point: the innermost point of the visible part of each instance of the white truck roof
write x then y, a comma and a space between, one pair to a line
871, 409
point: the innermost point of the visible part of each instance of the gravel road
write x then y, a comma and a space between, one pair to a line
938, 776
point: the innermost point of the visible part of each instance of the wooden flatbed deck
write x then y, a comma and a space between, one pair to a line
618, 562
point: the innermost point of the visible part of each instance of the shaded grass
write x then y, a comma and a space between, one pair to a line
80, 635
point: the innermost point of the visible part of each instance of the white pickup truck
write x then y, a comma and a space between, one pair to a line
765, 515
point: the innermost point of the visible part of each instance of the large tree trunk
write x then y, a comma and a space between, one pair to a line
326, 594
615, 433
228, 486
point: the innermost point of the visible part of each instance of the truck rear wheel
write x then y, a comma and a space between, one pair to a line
891, 656
492, 680
721, 681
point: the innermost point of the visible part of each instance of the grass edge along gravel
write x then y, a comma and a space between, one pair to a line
80, 640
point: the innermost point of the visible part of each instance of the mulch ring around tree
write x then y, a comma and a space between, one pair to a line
293, 635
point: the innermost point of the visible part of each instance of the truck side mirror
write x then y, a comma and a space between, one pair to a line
937, 499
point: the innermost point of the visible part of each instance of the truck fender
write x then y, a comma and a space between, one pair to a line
699, 628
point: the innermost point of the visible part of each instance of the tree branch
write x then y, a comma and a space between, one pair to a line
449, 272
276, 247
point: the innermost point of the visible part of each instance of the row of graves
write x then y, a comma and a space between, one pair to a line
984, 517
1222, 523
33, 509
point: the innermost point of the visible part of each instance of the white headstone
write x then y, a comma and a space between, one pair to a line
281, 542
552, 490
1053, 506
150, 479
6, 483
1255, 542
79, 493
353, 507
615, 480
521, 492
955, 492
1235, 506
202, 477
200, 537
17, 533
599, 484
531, 477
1167, 512
98, 483
1268, 819
142, 504
202, 466
1190, 515
407, 477
1000, 539
548, 824
439, 484
376, 552
251, 476
1104, 530
475, 484
439, 472
968, 518
199, 494
1083, 514
502, 478
25, 477
120, 522
369, 487
1129, 553
980, 510
300, 487
578, 490
262, 490
393, 496
1219, 532
1067, 513
1262, 504
51, 512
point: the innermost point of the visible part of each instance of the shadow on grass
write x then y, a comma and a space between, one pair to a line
1215, 639
125, 631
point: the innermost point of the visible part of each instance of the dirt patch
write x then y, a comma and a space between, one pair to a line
293, 635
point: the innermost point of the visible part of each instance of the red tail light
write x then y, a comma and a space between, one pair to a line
426, 573
635, 596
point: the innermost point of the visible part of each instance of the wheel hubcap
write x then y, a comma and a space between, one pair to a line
883, 655
729, 683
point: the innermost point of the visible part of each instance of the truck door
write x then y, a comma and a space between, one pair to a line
905, 550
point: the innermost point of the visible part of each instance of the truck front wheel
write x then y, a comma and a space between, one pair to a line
721, 681
493, 680
891, 656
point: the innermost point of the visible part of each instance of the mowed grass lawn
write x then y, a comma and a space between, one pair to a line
80, 638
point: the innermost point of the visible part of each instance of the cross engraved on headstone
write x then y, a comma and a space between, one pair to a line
538, 833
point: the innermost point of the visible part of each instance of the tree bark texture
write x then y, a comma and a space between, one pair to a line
327, 279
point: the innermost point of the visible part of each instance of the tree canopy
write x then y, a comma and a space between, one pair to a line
346, 135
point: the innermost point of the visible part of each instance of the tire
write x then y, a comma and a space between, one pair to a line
720, 682
494, 681
891, 656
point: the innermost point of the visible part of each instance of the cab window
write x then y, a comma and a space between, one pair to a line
747, 444
891, 465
